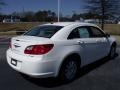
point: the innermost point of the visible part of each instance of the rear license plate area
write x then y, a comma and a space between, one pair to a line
14, 62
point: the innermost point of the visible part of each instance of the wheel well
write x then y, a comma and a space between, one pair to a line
75, 56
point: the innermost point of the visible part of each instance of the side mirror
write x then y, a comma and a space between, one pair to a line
107, 35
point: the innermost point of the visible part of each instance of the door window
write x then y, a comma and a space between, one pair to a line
80, 32
83, 32
96, 32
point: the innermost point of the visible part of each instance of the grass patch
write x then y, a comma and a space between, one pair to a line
4, 27
11, 29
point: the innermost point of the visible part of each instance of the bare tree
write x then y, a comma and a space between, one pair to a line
103, 8
2, 3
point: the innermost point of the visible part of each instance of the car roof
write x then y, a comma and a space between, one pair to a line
70, 23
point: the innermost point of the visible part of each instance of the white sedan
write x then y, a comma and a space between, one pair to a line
59, 49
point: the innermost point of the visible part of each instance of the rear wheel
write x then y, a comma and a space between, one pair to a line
112, 51
24, 75
69, 70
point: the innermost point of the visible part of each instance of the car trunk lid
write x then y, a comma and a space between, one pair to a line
19, 44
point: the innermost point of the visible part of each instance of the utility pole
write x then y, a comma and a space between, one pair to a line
103, 13
58, 10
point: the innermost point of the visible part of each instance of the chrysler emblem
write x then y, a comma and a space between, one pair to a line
16, 46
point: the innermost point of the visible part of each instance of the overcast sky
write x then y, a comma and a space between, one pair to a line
67, 6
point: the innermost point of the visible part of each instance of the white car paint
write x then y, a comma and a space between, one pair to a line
48, 65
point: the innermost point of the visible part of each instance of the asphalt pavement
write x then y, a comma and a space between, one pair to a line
101, 75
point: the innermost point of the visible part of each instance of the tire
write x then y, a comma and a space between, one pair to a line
112, 52
69, 70
23, 75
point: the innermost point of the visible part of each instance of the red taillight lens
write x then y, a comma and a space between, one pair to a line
38, 49
10, 46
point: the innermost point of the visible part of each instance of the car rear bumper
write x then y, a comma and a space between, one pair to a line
33, 66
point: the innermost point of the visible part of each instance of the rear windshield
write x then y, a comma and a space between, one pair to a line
43, 31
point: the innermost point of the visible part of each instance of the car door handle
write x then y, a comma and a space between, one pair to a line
80, 42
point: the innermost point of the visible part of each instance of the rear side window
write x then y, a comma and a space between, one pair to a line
44, 31
80, 32
74, 34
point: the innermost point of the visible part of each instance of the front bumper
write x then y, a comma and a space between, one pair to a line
33, 66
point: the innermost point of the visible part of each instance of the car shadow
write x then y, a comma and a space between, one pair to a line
86, 69
54, 82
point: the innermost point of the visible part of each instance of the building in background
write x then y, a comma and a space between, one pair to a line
9, 18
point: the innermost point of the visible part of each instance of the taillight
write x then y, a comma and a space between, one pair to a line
38, 49
10, 46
